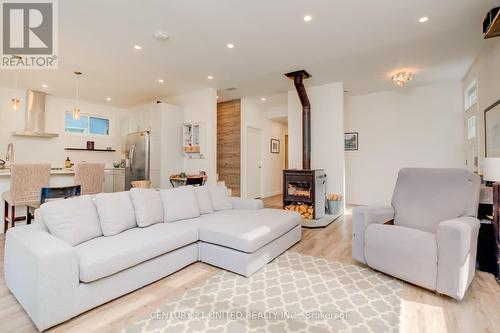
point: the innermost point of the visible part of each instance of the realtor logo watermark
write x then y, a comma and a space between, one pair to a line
29, 34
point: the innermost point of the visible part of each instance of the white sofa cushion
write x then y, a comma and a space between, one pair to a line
246, 230
105, 256
116, 212
147, 206
73, 220
406, 253
219, 195
203, 198
179, 203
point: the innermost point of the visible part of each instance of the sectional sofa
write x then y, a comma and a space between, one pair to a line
83, 252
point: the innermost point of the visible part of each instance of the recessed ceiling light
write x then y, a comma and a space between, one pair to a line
45, 85
423, 19
263, 99
308, 18
108, 98
216, 97
161, 36
230, 46
210, 77
137, 47
161, 80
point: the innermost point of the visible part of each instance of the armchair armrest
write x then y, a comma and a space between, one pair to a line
457, 247
239, 203
42, 272
361, 218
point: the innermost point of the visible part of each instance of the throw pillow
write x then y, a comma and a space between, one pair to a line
220, 197
204, 201
73, 220
179, 204
116, 212
147, 206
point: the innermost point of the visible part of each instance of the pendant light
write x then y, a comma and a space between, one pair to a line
76, 110
15, 103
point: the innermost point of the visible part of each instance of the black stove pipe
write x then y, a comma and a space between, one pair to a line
298, 78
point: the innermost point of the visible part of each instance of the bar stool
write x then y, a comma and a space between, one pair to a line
26, 182
90, 176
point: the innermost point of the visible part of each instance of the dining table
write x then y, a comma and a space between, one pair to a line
178, 181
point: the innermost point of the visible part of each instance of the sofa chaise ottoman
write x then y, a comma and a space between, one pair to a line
85, 251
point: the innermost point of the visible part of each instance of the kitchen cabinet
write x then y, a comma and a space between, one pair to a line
114, 180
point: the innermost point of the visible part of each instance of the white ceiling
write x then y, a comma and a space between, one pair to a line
357, 42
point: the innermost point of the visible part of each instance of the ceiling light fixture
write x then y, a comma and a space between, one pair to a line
230, 46
401, 78
210, 77
45, 85
76, 110
137, 47
161, 81
263, 99
308, 18
423, 19
108, 98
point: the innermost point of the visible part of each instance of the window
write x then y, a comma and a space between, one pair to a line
87, 124
471, 95
471, 127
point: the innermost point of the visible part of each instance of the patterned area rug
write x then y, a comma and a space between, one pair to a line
294, 293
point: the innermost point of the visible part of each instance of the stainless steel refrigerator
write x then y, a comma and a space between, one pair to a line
137, 162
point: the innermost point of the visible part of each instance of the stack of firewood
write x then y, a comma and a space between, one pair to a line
306, 211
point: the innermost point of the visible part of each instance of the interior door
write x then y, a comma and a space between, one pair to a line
471, 141
254, 162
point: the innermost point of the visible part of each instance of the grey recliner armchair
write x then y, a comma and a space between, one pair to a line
432, 240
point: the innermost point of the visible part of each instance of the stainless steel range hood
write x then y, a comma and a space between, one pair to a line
35, 116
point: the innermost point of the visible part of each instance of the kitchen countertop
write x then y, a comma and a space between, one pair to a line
56, 171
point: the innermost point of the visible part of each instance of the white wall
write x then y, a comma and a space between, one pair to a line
485, 71
201, 107
256, 114
411, 127
327, 132
40, 150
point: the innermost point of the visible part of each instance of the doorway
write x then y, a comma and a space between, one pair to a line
471, 141
286, 151
254, 162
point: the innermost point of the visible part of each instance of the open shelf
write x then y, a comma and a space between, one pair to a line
84, 149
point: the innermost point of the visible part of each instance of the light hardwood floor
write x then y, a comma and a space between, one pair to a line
424, 311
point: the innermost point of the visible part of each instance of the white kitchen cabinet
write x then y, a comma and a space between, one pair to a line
114, 180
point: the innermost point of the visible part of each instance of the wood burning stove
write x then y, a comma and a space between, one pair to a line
304, 191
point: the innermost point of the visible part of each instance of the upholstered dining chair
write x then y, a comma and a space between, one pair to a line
90, 176
428, 235
25, 184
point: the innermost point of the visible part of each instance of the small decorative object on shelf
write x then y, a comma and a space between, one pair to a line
90, 145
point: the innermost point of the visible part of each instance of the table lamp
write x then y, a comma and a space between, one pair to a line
492, 169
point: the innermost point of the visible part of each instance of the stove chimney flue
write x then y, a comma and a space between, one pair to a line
298, 77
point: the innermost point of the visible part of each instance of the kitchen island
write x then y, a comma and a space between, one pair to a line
114, 181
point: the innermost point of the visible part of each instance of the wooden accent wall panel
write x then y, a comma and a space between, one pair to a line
228, 144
